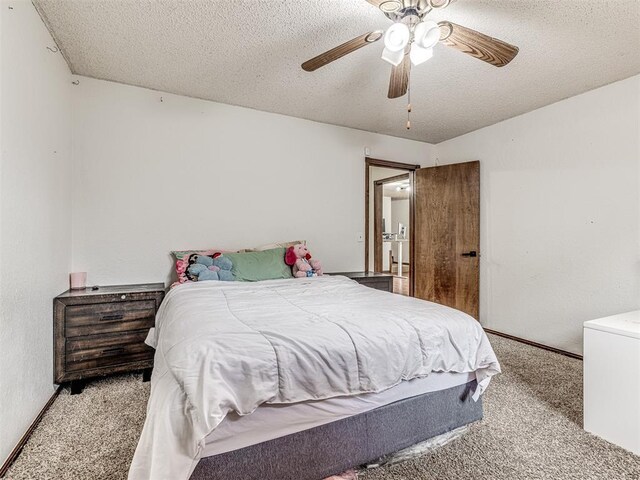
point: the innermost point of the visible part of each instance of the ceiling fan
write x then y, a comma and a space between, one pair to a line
411, 38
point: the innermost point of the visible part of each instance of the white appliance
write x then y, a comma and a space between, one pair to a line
612, 379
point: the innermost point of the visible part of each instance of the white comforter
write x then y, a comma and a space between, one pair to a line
223, 346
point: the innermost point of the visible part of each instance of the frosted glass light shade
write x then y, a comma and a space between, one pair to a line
396, 37
394, 58
420, 55
427, 34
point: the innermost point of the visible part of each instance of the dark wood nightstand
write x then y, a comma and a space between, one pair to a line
379, 281
100, 332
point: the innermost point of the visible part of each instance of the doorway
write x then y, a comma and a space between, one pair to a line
443, 230
389, 221
391, 217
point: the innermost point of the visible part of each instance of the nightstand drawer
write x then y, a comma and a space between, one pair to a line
78, 344
105, 351
107, 356
82, 320
378, 281
384, 284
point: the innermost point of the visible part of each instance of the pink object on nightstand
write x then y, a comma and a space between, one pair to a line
78, 280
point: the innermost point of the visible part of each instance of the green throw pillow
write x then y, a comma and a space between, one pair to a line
256, 266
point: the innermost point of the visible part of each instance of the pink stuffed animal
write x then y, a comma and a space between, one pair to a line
299, 258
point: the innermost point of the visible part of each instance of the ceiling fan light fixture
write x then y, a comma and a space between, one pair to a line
394, 58
426, 34
391, 6
420, 55
397, 37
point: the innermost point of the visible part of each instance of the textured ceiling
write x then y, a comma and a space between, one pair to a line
391, 190
248, 52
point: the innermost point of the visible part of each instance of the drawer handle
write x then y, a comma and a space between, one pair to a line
113, 350
113, 316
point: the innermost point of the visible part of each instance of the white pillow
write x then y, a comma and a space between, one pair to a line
276, 245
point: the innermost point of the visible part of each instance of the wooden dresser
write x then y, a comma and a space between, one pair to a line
100, 332
379, 281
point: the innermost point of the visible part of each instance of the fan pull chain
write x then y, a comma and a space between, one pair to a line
409, 103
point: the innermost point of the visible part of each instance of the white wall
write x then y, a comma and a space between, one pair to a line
35, 206
400, 211
152, 176
560, 210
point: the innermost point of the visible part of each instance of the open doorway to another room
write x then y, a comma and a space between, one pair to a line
388, 222
395, 242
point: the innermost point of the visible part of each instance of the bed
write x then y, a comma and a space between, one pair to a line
302, 378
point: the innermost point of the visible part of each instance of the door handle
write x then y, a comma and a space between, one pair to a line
472, 253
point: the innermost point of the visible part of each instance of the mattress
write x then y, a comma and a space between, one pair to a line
229, 348
326, 450
271, 421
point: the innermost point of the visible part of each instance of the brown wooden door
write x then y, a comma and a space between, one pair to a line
447, 236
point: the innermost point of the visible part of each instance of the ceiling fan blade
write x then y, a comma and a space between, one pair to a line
478, 45
399, 81
341, 50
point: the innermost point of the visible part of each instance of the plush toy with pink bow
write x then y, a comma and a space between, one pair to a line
302, 265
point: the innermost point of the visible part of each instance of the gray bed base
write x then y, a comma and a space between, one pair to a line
335, 447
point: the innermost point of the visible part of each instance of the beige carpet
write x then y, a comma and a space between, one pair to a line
531, 430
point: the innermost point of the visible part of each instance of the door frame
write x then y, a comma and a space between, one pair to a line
410, 168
